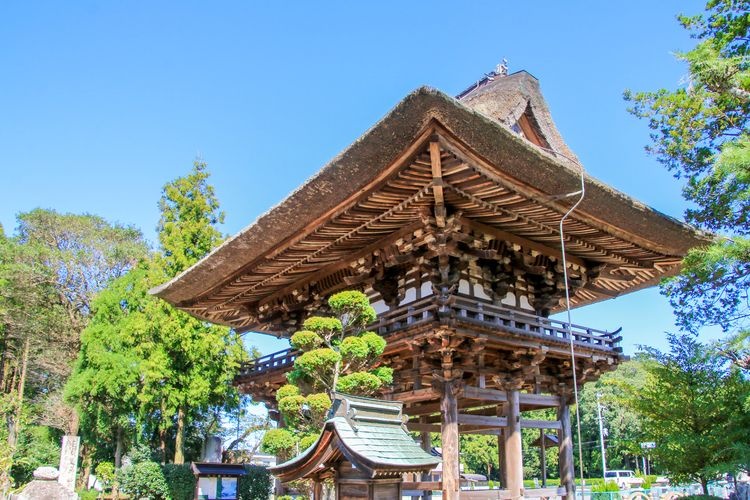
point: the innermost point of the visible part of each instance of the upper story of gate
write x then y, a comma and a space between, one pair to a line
442, 196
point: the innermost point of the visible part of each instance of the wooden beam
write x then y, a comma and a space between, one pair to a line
416, 396
488, 421
545, 400
437, 183
484, 394
421, 485
471, 392
520, 240
421, 427
540, 424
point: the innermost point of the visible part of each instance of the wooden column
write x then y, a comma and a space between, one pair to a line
501, 449
567, 474
426, 446
513, 451
317, 490
449, 439
543, 457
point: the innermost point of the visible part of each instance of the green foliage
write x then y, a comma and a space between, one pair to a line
625, 426
307, 441
144, 480
37, 446
189, 215
105, 473
280, 442
354, 350
291, 409
375, 343
353, 307
385, 374
317, 368
318, 405
145, 366
605, 491
479, 454
180, 480
337, 356
362, 383
256, 484
305, 340
323, 326
88, 495
692, 406
287, 390
700, 133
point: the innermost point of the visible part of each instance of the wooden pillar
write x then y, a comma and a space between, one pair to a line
426, 446
543, 457
317, 490
501, 449
449, 439
565, 438
513, 451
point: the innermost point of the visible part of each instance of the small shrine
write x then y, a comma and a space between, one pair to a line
364, 449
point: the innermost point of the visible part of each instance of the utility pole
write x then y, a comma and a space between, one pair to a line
601, 436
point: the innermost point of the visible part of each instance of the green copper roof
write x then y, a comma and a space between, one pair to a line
369, 433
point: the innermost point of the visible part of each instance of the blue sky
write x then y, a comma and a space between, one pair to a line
101, 103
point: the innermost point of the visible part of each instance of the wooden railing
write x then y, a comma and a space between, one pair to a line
462, 309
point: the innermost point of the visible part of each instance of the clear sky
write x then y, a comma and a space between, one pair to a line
101, 103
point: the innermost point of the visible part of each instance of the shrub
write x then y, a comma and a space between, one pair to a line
287, 390
323, 326
605, 491
385, 374
291, 409
360, 384
180, 480
305, 340
319, 404
375, 343
354, 305
279, 442
307, 441
144, 480
105, 473
256, 484
354, 349
87, 494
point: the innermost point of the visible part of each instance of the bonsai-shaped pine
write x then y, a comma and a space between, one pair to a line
338, 355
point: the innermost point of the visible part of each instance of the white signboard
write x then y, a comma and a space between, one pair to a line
648, 445
69, 462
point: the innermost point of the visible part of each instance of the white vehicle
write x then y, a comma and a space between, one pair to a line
625, 479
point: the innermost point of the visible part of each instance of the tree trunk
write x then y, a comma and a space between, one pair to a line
118, 447
83, 474
704, 485
15, 426
163, 445
179, 445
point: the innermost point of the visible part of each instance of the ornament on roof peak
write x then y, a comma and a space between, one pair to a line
502, 68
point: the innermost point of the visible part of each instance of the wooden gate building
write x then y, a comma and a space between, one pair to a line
446, 214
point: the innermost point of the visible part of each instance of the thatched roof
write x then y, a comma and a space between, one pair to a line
310, 229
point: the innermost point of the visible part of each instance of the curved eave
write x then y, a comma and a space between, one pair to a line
361, 165
329, 445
